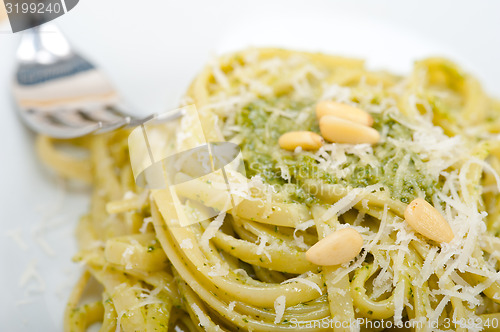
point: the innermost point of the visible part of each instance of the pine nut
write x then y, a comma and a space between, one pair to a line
337, 248
426, 220
344, 111
337, 130
307, 140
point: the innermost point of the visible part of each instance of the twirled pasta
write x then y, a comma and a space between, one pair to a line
242, 268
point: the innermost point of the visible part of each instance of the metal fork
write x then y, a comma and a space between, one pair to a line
61, 94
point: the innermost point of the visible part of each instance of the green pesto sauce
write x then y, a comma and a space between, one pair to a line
262, 156
262, 127
415, 177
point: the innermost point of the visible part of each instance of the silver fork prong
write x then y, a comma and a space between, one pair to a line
100, 113
63, 131
137, 122
63, 95
70, 119
106, 127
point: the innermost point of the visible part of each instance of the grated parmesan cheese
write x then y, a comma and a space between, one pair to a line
261, 248
211, 230
186, 244
15, 235
31, 273
218, 270
304, 281
145, 223
348, 201
231, 306
125, 259
279, 308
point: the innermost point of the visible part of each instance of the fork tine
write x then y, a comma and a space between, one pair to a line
70, 119
106, 127
140, 121
100, 114
62, 131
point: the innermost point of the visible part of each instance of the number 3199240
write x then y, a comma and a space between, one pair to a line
38, 8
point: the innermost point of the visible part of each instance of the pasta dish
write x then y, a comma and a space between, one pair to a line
371, 199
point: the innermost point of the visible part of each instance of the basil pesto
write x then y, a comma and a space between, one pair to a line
401, 171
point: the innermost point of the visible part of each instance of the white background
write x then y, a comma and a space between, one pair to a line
151, 50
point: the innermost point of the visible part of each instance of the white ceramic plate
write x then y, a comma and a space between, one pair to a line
151, 50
